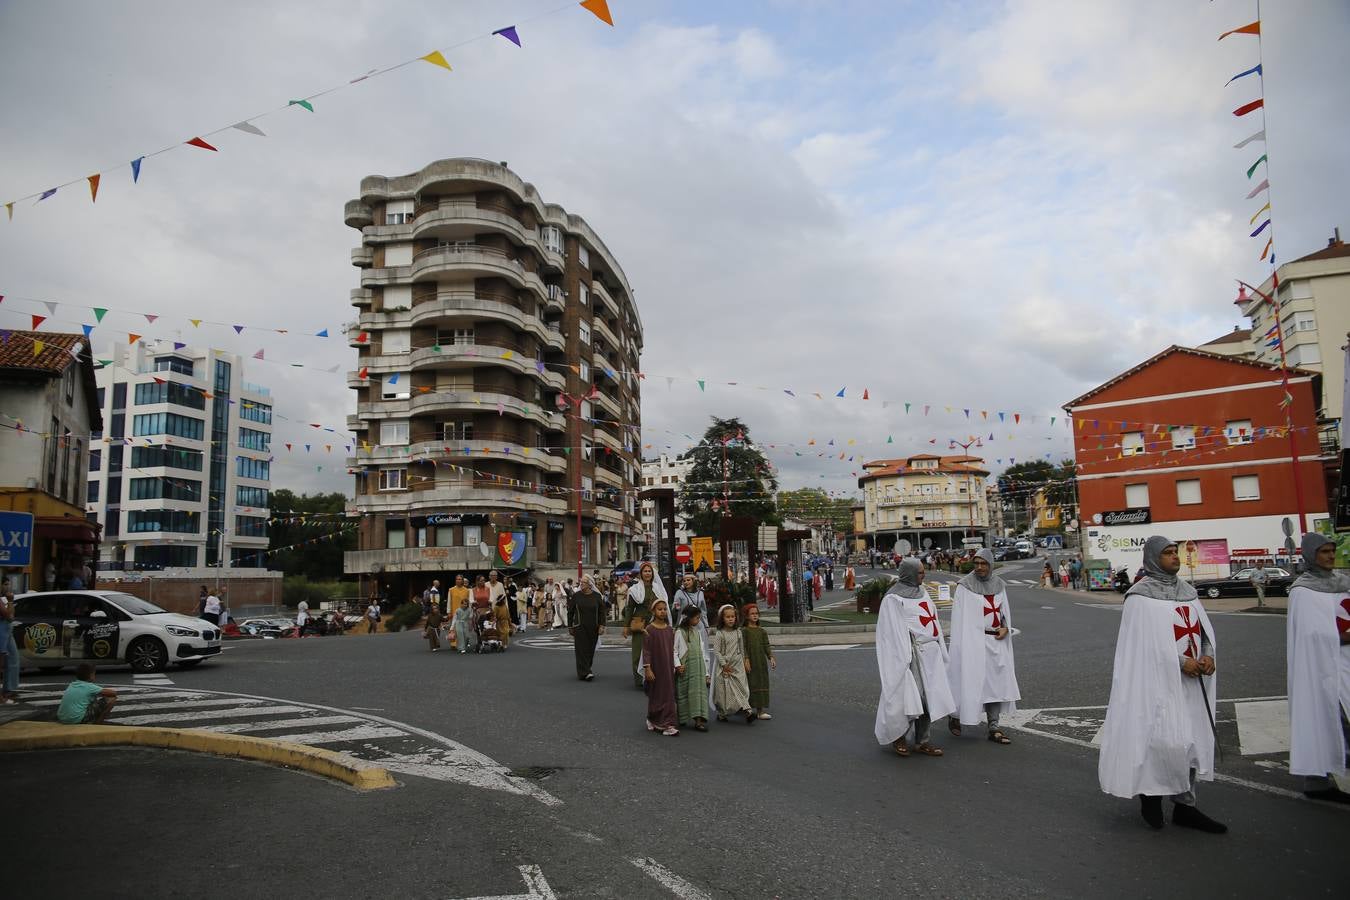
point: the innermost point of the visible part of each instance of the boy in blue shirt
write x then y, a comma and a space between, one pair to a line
85, 702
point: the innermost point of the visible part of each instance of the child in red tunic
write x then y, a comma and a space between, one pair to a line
658, 671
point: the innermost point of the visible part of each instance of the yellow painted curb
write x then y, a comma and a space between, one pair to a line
27, 735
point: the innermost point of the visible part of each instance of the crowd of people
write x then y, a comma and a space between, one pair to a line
1159, 736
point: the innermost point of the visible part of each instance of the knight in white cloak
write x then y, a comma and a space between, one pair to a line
980, 665
1159, 732
912, 659
1318, 657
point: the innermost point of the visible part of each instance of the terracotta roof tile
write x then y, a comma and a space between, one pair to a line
16, 352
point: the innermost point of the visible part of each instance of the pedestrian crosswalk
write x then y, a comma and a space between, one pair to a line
396, 746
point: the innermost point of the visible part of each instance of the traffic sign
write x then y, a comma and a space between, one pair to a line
683, 554
16, 538
903, 547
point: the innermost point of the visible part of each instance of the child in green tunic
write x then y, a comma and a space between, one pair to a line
691, 674
759, 660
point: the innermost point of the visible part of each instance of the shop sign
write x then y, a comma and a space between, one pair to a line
1141, 516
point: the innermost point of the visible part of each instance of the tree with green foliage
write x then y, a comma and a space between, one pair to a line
1019, 483
817, 507
727, 456
316, 518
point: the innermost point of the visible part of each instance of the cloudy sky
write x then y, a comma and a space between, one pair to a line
969, 205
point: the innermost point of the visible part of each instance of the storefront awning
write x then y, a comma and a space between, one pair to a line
66, 529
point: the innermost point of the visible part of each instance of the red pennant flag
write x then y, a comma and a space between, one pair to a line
198, 142
93, 188
38, 320
1254, 105
865, 397
132, 338
600, 9
158, 380
364, 373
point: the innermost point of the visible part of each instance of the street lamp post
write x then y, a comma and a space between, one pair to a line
965, 446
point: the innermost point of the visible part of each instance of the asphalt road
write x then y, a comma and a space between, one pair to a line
806, 805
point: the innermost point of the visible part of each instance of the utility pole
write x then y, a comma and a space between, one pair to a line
965, 446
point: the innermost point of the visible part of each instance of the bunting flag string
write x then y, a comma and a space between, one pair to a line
598, 8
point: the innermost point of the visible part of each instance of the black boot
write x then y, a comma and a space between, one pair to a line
1151, 809
1190, 817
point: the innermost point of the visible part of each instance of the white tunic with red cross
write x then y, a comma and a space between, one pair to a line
1186, 631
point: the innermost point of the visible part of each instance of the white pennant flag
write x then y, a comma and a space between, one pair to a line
51, 306
248, 128
1259, 136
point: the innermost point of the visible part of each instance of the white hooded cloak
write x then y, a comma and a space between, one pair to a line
980, 668
900, 703
1319, 680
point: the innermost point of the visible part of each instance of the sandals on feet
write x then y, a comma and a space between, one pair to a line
929, 750
954, 726
998, 737
900, 748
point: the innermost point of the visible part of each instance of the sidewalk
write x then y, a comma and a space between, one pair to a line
1274, 605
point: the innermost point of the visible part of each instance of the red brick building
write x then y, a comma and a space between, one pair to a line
1193, 445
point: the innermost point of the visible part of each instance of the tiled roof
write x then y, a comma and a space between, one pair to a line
1331, 251
947, 465
16, 352
1236, 336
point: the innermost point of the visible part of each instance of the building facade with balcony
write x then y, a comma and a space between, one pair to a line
496, 379
934, 502
49, 418
1193, 445
181, 478
663, 472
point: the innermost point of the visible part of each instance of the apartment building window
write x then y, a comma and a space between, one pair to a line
251, 496
583, 295
1136, 495
395, 538
394, 432
1188, 491
165, 489
584, 332
584, 370
250, 439
398, 212
1246, 487
586, 409
92, 492
396, 340
172, 520
171, 364
552, 238
169, 392
1131, 443
454, 337
583, 256
95, 460
255, 412
1305, 322
1304, 355
172, 457
393, 479
167, 423
473, 535
445, 536
259, 469
1238, 431
396, 386
250, 526
457, 431
1183, 437
68, 382
587, 486
398, 255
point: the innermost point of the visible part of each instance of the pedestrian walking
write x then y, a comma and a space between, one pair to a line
1259, 581
432, 631
9, 648
211, 609
464, 627
1063, 575
1047, 576
982, 673
1159, 732
1318, 661
912, 660
850, 580
829, 577
759, 660
560, 595
372, 615
457, 594
658, 671
642, 597
586, 621
500, 618
1076, 573
693, 684
301, 618
731, 692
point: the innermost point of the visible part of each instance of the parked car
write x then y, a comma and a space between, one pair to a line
628, 567
1239, 584
62, 628
265, 627
1001, 552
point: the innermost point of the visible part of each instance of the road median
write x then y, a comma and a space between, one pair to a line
29, 735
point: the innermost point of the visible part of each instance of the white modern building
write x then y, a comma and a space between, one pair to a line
181, 475
664, 472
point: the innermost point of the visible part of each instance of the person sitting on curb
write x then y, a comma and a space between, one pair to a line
85, 702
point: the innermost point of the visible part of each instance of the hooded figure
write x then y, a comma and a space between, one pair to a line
980, 666
1318, 660
642, 595
912, 661
586, 621
1159, 732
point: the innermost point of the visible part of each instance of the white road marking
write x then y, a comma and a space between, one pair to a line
213, 714
306, 722
536, 887
359, 733
830, 647
179, 695
1047, 607
194, 703
669, 880
1263, 727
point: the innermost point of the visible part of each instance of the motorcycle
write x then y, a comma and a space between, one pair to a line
1121, 582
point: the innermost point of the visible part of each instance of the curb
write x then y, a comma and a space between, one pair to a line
27, 735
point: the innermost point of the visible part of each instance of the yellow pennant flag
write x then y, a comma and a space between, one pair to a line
9, 208
436, 59
38, 347
93, 187
195, 322
507, 355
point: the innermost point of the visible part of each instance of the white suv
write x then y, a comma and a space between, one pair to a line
61, 628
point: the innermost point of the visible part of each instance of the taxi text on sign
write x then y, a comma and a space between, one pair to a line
16, 538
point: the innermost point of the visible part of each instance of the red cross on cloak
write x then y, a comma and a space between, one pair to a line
1343, 622
1189, 630
927, 618
992, 610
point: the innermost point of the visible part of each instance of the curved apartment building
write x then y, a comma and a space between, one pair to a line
496, 379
